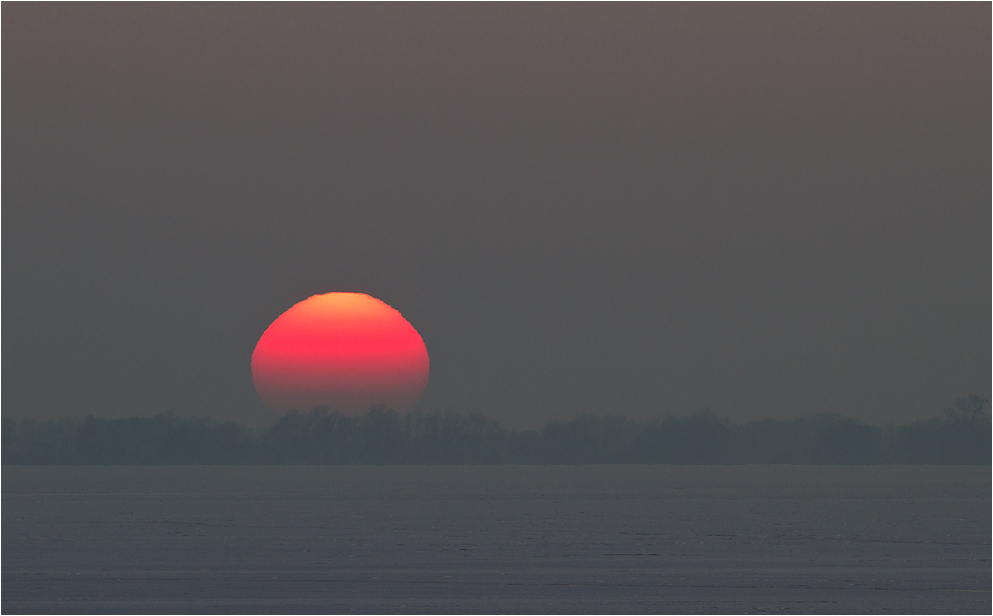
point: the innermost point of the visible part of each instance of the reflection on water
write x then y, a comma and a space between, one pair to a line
497, 539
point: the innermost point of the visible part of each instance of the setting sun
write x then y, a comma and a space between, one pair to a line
346, 351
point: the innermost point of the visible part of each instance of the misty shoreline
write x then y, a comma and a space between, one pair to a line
384, 437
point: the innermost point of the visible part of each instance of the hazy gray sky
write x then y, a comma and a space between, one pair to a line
642, 209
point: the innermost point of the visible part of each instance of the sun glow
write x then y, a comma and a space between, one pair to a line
347, 351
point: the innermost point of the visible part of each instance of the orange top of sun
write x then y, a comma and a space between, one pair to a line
347, 351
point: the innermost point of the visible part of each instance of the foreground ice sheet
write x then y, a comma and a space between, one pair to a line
503, 539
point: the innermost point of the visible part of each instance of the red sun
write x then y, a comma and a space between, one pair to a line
347, 351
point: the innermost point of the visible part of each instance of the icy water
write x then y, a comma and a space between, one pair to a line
499, 539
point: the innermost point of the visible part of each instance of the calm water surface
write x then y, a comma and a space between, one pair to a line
498, 539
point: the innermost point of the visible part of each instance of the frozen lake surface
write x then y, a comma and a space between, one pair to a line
497, 539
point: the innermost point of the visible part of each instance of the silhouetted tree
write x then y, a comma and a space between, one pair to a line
383, 436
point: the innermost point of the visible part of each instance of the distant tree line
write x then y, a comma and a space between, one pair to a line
962, 436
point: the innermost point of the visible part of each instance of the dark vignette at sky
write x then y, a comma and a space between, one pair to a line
769, 210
